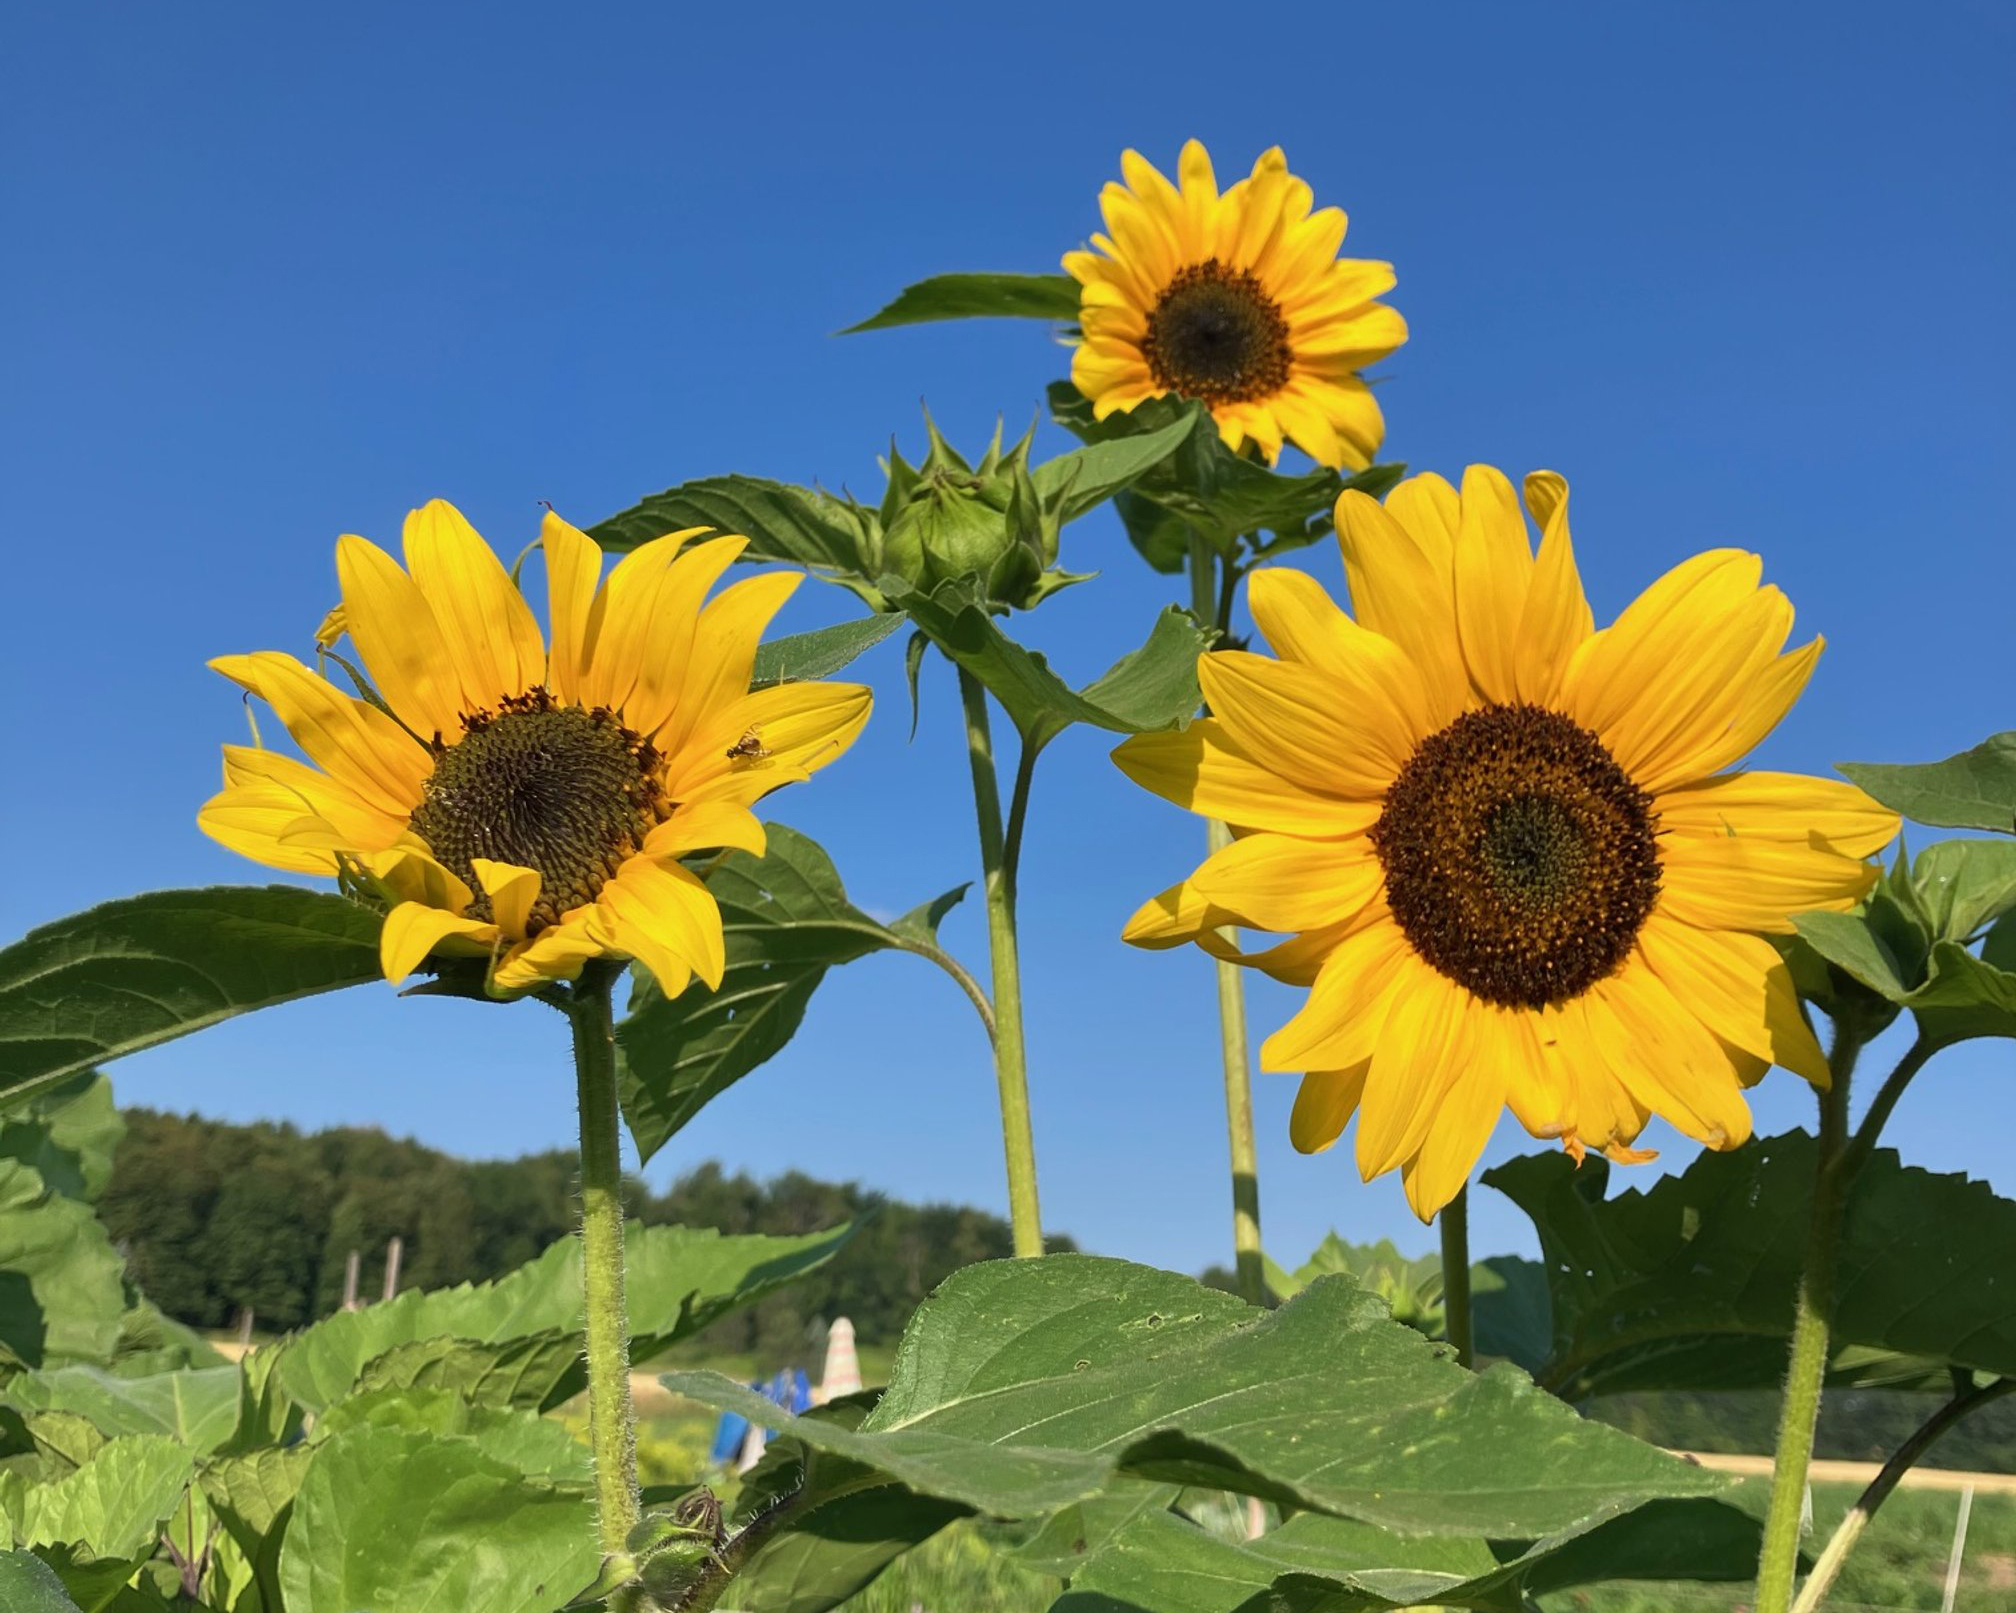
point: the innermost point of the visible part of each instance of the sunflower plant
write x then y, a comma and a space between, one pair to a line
1515, 863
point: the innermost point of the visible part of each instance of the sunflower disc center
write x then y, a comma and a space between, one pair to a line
568, 791
1215, 334
1521, 860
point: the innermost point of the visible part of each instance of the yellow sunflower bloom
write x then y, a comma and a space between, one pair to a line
527, 803
1239, 300
1500, 845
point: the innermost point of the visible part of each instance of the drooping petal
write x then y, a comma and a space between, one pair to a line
412, 930
664, 901
704, 826
1741, 989
1324, 1105
1464, 1118
512, 891
354, 743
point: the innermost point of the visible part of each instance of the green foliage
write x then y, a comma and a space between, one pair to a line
29, 1585
96, 1525
68, 1132
62, 1293
1153, 688
521, 1333
994, 527
820, 653
1226, 498
403, 1521
787, 921
197, 1409
134, 973
1024, 1387
1689, 1283
978, 296
1973, 790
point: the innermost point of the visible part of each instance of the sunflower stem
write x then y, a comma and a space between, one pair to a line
612, 1427
1011, 1066
1828, 1568
1211, 589
1778, 1564
1454, 1224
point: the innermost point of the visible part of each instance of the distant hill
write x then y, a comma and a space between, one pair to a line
216, 1217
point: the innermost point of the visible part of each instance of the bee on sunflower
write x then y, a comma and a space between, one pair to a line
1501, 845
1238, 300
528, 803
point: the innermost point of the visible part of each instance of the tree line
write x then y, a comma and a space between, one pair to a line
215, 1218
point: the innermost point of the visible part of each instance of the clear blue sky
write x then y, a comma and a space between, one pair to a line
1742, 273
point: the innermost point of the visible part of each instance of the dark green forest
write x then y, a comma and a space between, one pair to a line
215, 1218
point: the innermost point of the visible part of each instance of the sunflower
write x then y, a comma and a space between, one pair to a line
1238, 300
1500, 845
528, 804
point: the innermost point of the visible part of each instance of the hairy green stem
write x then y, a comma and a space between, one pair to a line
1211, 587
1454, 1224
612, 1423
1011, 1067
1828, 1568
1778, 1563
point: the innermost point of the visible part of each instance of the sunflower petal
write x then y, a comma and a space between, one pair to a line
412, 930
394, 630
1741, 989
1278, 882
355, 744
668, 904
1324, 1105
573, 601
487, 629
1760, 885
512, 891
1788, 807
1294, 716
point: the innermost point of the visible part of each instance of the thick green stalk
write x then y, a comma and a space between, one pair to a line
1011, 1064
1209, 602
1778, 1564
612, 1424
1828, 1569
1454, 1223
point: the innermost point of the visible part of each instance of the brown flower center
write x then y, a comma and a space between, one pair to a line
568, 791
1521, 860
1214, 334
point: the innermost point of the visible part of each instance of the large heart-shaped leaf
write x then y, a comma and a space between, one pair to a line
196, 1409
68, 1132
145, 970
1022, 1387
96, 1525
1973, 790
787, 921
978, 296
62, 1284
402, 1521
1315, 1564
1689, 1282
679, 1280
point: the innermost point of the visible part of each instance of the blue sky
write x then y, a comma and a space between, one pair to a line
1741, 273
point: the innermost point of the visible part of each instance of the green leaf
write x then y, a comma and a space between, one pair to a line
1061, 1543
819, 654
1314, 1564
1965, 885
978, 296
148, 969
1205, 486
1154, 688
196, 1409
1087, 477
1688, 1283
68, 1132
1954, 997
680, 1279
96, 1525
402, 1522
252, 1496
29, 1585
850, 1522
787, 921
1022, 1387
781, 522
1973, 790
921, 923
522, 1440
62, 1284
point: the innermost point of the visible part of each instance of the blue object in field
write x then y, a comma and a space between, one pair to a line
790, 1389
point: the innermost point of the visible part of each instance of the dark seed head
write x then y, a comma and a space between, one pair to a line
1521, 860
564, 790
1215, 334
